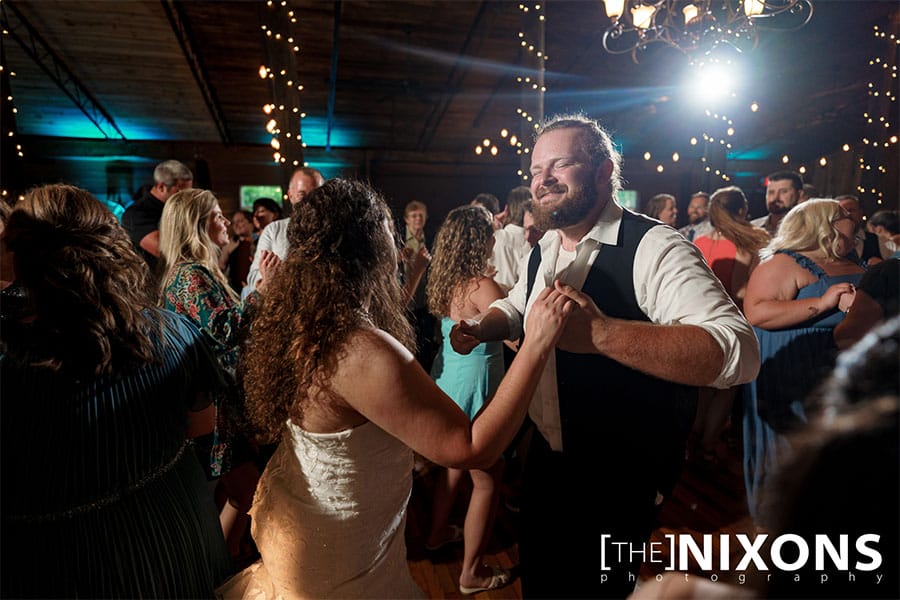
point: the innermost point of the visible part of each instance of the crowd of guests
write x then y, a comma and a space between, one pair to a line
187, 375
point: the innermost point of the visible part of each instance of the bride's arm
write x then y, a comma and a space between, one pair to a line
381, 380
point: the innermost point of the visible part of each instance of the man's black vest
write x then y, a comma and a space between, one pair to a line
627, 425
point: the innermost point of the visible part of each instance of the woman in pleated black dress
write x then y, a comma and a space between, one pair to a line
101, 496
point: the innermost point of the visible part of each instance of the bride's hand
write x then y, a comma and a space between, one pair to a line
547, 318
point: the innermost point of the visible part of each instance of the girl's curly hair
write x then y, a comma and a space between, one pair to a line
340, 275
461, 254
88, 288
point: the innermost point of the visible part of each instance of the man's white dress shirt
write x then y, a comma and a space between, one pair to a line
672, 286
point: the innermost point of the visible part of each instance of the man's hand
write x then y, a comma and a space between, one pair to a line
268, 265
586, 325
464, 336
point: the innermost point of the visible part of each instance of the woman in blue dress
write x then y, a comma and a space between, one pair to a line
459, 288
794, 299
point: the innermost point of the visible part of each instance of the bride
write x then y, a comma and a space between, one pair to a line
329, 369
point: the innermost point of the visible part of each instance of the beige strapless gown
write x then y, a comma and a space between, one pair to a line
329, 517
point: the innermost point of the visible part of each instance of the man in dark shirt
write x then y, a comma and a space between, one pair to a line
877, 299
866, 250
141, 219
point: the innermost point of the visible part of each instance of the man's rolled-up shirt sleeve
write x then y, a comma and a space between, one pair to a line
513, 306
673, 285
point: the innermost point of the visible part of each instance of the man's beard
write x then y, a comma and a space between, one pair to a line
574, 207
777, 208
698, 220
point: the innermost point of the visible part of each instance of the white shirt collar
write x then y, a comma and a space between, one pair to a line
604, 231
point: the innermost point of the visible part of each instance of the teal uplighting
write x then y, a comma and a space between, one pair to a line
113, 205
107, 158
74, 124
758, 153
314, 129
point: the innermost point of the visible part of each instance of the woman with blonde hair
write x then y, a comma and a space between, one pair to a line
101, 495
192, 232
328, 370
459, 288
794, 299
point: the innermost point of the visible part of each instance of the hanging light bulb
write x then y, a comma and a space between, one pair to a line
642, 16
614, 8
754, 7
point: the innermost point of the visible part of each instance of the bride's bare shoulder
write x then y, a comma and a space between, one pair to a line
374, 348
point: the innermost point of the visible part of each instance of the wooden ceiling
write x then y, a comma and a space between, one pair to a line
422, 81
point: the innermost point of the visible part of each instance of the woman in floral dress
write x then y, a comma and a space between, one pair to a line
192, 232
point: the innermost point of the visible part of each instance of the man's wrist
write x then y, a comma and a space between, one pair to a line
601, 330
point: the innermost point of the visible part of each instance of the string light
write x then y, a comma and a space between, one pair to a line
882, 91
285, 119
8, 124
529, 85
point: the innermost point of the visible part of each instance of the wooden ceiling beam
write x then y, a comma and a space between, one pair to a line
182, 29
332, 83
34, 45
453, 83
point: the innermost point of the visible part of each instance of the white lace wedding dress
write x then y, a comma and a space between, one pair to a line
329, 517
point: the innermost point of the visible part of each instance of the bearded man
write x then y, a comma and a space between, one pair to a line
617, 400
783, 190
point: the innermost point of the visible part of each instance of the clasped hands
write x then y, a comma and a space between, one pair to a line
581, 331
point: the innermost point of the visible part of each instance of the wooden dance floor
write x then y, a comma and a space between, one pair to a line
709, 498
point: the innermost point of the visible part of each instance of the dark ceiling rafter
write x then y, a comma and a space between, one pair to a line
40, 52
182, 29
437, 114
332, 84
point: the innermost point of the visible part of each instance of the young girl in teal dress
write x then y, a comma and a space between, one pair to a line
459, 287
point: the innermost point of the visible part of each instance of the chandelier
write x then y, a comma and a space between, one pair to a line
698, 25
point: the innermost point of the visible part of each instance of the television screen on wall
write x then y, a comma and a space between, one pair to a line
249, 193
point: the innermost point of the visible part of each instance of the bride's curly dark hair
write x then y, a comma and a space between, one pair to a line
340, 275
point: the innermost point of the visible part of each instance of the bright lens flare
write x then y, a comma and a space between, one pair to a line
711, 81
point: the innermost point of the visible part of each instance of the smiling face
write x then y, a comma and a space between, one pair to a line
217, 227
415, 220
263, 216
300, 185
669, 213
241, 225
563, 180
697, 209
